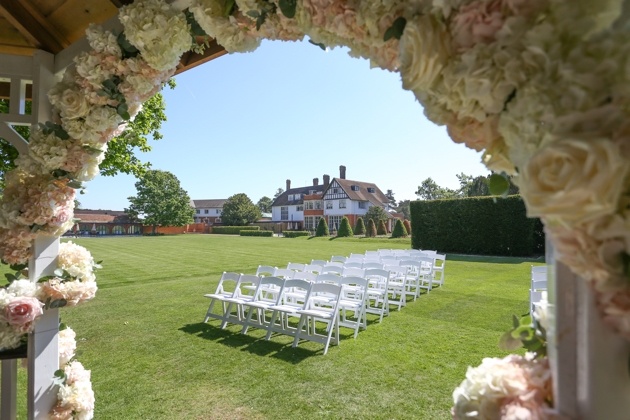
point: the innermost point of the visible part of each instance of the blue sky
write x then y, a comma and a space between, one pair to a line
245, 123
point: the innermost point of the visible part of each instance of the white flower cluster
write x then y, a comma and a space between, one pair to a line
159, 31
76, 397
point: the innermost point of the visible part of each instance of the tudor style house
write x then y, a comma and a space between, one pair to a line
301, 208
104, 222
208, 211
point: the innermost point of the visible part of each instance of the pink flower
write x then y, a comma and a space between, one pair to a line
22, 311
474, 134
477, 22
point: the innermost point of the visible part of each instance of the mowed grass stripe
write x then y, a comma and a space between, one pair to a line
152, 358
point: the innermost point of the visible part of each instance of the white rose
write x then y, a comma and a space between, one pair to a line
572, 181
424, 51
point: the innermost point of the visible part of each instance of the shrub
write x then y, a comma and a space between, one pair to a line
322, 228
371, 229
407, 224
295, 233
359, 228
399, 230
476, 225
345, 231
382, 230
232, 230
256, 233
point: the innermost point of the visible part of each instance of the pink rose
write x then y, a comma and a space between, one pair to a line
22, 311
477, 22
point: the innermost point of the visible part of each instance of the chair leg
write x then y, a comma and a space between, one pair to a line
209, 311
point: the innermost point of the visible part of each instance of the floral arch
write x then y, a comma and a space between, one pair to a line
542, 87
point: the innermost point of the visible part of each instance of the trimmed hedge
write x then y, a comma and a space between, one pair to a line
295, 233
322, 228
382, 229
345, 231
256, 233
359, 228
399, 230
232, 230
476, 225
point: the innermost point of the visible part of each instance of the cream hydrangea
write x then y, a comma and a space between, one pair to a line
67, 345
77, 261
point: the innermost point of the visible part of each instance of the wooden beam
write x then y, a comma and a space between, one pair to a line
32, 25
190, 59
120, 3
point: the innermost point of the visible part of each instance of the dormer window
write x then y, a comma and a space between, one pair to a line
371, 190
354, 188
290, 197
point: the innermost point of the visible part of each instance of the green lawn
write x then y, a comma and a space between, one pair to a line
152, 357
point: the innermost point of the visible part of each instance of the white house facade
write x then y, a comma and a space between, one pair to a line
208, 211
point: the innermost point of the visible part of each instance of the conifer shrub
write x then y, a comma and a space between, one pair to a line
345, 231
322, 228
407, 225
359, 228
371, 229
382, 230
399, 230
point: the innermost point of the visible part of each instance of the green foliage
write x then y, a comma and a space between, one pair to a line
498, 184
295, 233
322, 228
232, 230
267, 233
345, 231
526, 332
430, 190
396, 30
399, 230
407, 225
403, 207
278, 193
371, 229
161, 200
264, 204
239, 210
359, 228
382, 229
376, 213
288, 7
476, 225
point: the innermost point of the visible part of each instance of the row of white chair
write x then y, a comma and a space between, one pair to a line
538, 279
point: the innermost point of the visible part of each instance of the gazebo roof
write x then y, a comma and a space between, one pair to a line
54, 25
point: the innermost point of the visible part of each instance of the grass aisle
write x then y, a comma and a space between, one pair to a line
152, 358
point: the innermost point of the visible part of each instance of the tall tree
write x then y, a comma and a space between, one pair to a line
376, 213
239, 210
403, 207
322, 228
161, 200
399, 230
345, 230
390, 197
279, 192
359, 228
264, 204
430, 190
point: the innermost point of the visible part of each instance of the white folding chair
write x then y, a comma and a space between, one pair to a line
226, 288
412, 276
245, 292
319, 262
353, 298
426, 272
296, 266
352, 272
287, 308
334, 269
369, 265
261, 302
353, 264
313, 268
314, 311
284, 273
265, 270
439, 262
377, 292
338, 258
538, 280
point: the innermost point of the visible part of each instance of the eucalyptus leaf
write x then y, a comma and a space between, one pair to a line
59, 173
253, 13
62, 326
230, 6
195, 28
127, 48
35, 228
319, 44
59, 303
261, 20
396, 30
18, 267
10, 277
498, 184
75, 184
288, 8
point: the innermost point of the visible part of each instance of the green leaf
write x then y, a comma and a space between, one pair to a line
253, 13
230, 6
195, 28
18, 267
75, 184
396, 30
59, 303
123, 111
498, 184
59, 173
261, 20
507, 342
62, 326
288, 8
127, 48
59, 377
319, 44
515, 322
10, 277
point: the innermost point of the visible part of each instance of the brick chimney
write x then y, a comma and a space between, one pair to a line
342, 172
326, 180
288, 184
315, 182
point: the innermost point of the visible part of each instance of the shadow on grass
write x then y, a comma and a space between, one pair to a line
254, 345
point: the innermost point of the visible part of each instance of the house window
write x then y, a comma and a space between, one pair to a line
299, 208
310, 222
335, 190
290, 197
206, 211
318, 205
198, 211
342, 204
354, 188
284, 213
370, 189
363, 204
329, 205
309, 205
334, 222
217, 220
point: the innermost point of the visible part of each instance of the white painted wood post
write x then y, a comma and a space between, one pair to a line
8, 401
589, 361
43, 350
